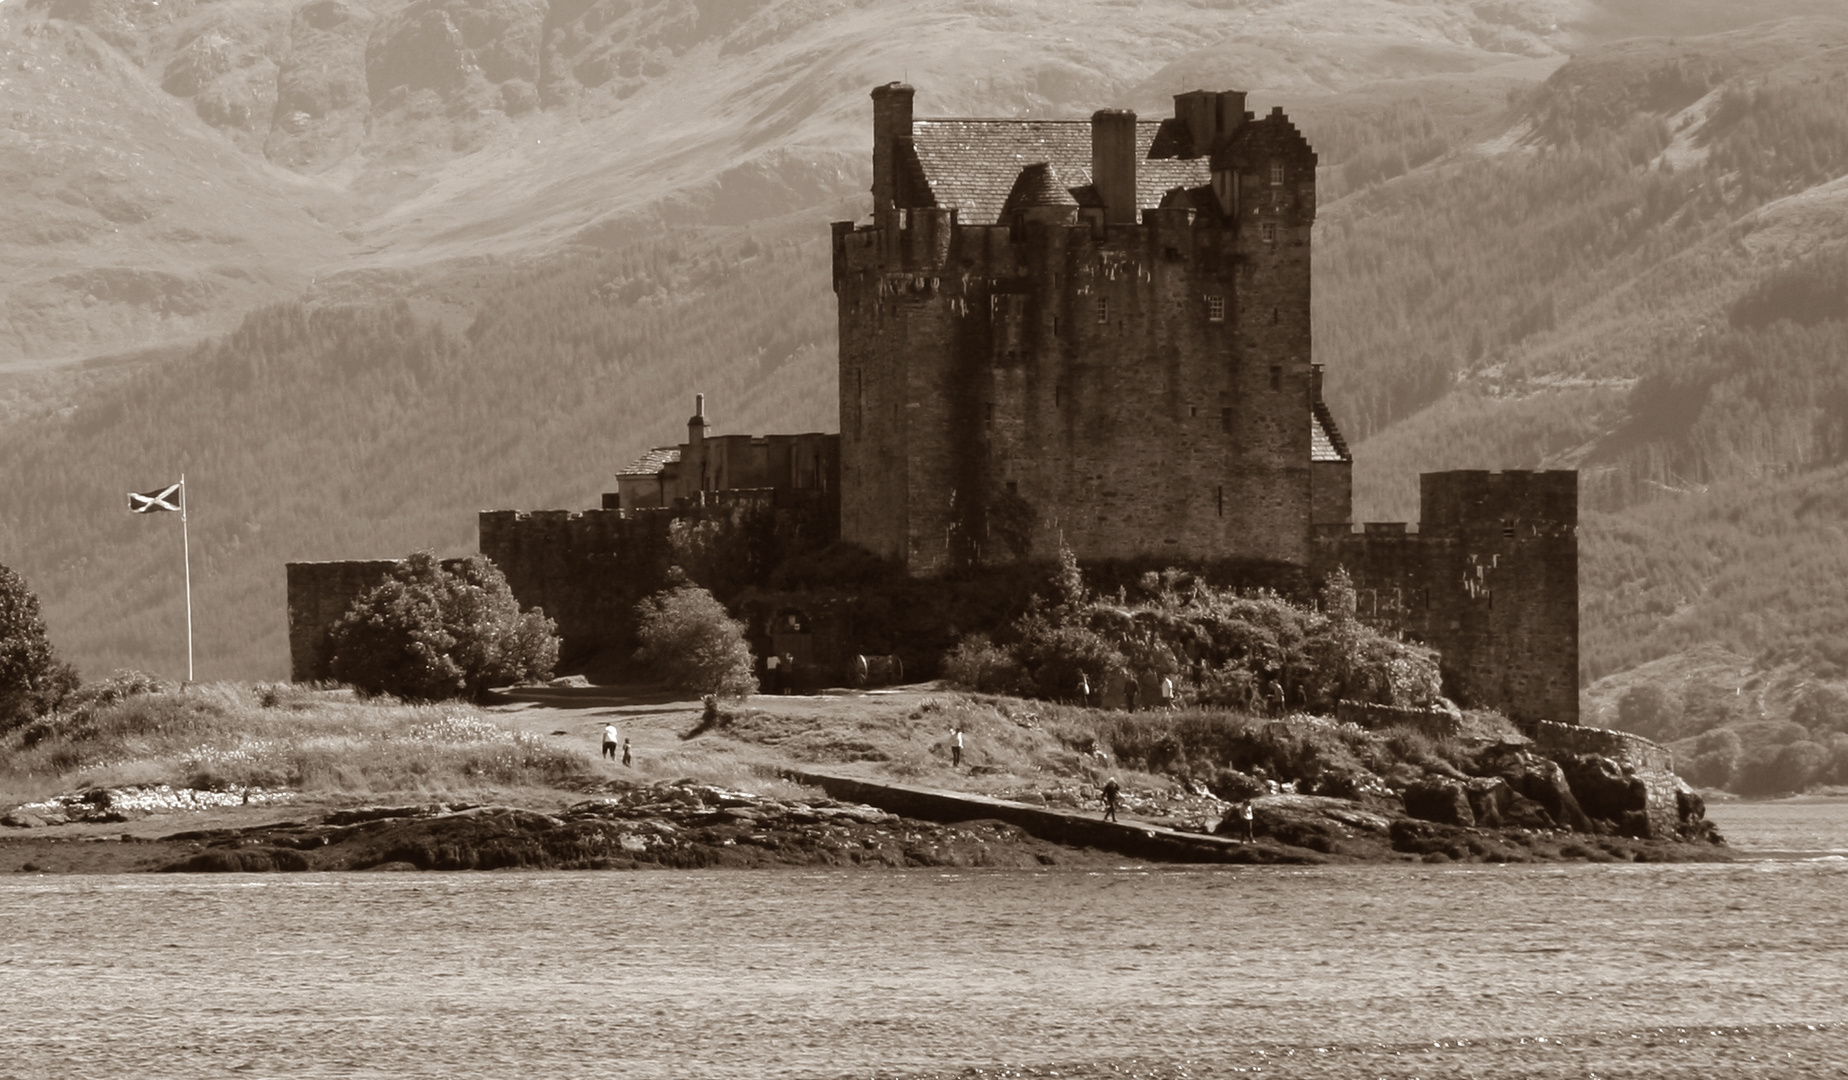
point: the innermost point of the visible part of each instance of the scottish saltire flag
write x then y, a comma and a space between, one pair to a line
167, 498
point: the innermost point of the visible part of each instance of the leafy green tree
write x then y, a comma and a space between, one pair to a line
430, 632
1647, 710
690, 642
32, 679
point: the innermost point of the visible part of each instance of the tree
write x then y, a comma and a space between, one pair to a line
692, 644
428, 632
32, 679
1648, 710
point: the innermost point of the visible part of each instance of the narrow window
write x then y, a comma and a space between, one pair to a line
1193, 411
1275, 319
1276, 172
1507, 529
1225, 419
1269, 232
1103, 309
1215, 309
1013, 487
1219, 496
1058, 396
991, 414
1276, 377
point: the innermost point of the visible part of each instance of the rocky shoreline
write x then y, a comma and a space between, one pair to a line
688, 825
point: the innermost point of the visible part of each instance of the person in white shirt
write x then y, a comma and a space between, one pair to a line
956, 748
610, 741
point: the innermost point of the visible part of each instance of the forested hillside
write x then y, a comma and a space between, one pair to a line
364, 431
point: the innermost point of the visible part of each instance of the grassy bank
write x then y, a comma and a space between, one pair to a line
221, 736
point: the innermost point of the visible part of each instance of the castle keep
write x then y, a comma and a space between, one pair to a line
1062, 333
1093, 334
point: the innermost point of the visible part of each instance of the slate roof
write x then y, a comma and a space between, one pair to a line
1325, 441
651, 463
971, 165
1039, 184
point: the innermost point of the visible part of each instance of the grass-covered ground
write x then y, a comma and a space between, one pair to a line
231, 776
327, 744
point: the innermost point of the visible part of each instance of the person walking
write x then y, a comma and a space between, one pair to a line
1111, 791
1167, 692
626, 759
1131, 691
956, 748
609, 741
1084, 689
1244, 817
1273, 696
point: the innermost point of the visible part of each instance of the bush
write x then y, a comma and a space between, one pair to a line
33, 681
693, 645
428, 633
976, 663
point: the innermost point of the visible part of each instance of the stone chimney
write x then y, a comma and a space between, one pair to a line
694, 460
1211, 118
1113, 164
891, 135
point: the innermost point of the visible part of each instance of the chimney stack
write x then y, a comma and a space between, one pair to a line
891, 134
1113, 164
1211, 118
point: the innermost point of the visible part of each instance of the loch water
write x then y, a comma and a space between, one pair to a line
1404, 971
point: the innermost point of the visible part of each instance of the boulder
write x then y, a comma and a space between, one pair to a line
1524, 813
1541, 780
1489, 799
1439, 799
1603, 788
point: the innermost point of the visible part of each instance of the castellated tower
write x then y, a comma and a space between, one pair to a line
1093, 333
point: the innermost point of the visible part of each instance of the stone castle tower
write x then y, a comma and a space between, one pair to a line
1093, 334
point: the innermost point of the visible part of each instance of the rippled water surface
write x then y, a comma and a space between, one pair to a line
1561, 971
1816, 825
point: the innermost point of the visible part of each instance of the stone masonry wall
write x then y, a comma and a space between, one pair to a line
589, 568
1654, 764
1005, 390
1490, 580
319, 593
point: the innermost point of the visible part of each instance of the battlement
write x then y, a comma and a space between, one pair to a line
1522, 503
1490, 581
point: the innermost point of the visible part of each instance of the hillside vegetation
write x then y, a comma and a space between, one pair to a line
364, 431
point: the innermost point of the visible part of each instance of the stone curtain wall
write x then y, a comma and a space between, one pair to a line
589, 568
1490, 580
319, 593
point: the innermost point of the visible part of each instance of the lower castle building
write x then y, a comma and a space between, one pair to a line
1092, 335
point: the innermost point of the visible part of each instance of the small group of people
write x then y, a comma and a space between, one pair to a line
1240, 816
1132, 692
779, 673
610, 736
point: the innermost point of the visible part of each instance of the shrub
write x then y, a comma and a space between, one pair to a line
693, 645
428, 633
33, 681
976, 663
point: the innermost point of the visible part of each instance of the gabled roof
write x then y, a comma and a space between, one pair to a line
971, 165
1325, 441
651, 463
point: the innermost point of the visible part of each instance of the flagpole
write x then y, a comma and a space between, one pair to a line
186, 552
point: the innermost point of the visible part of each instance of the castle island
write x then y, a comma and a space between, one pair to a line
1058, 334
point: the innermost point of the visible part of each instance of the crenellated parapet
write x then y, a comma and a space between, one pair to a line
1489, 579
